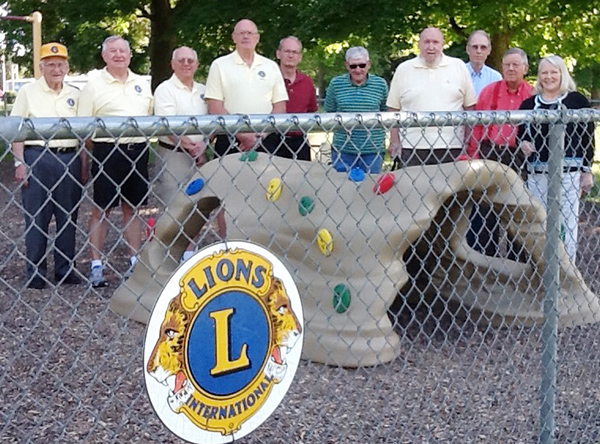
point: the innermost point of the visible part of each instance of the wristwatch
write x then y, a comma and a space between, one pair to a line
18, 163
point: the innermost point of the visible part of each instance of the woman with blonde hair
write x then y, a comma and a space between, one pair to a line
555, 90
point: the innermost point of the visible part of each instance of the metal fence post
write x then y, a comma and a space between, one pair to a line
551, 284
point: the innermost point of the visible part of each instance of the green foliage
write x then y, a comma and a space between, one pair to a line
388, 28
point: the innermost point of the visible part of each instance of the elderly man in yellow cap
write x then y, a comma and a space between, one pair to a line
49, 171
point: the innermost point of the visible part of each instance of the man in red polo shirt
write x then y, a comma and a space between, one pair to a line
498, 142
302, 97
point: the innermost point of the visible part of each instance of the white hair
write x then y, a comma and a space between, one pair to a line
114, 38
357, 52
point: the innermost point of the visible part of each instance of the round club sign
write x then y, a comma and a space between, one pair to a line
223, 343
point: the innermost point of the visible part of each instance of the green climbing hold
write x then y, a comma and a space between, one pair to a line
341, 298
306, 206
249, 156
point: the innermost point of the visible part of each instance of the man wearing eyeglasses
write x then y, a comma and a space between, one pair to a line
357, 92
180, 95
479, 47
432, 81
245, 82
302, 97
49, 172
499, 143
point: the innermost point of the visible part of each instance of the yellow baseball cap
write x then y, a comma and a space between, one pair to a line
53, 50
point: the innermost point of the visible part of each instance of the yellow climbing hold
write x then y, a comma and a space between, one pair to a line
274, 190
325, 241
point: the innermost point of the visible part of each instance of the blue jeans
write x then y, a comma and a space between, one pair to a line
370, 163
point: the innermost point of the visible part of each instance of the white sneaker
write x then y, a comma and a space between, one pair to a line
129, 271
96, 278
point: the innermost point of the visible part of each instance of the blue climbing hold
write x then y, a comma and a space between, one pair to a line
194, 187
357, 175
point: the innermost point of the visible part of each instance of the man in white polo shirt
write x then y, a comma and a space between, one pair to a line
49, 171
119, 165
245, 82
430, 82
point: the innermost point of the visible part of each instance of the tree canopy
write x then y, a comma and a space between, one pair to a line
388, 28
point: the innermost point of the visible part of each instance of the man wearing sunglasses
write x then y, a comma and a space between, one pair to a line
430, 82
357, 92
179, 96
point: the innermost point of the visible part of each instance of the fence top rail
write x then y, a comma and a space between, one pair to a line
20, 129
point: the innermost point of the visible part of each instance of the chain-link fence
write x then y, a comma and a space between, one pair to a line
471, 316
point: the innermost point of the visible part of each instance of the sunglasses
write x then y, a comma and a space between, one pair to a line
189, 61
357, 65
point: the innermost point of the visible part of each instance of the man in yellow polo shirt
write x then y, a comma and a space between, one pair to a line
49, 171
430, 82
119, 166
245, 82
178, 155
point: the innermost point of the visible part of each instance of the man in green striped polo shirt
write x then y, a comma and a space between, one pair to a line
357, 92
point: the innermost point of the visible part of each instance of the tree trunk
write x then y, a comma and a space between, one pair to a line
595, 87
500, 44
162, 41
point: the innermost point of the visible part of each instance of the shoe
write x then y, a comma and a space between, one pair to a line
37, 282
129, 271
70, 279
96, 278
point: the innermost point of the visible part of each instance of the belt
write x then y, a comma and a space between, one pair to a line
168, 146
54, 149
569, 165
566, 169
123, 146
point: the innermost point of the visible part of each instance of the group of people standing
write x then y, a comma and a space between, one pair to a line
244, 82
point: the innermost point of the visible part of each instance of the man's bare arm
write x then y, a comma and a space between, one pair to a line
395, 148
18, 149
279, 107
216, 106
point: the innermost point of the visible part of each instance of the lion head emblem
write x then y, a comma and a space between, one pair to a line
166, 363
286, 329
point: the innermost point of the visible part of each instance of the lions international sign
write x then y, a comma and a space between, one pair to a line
223, 343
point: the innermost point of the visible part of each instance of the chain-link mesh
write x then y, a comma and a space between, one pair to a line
472, 316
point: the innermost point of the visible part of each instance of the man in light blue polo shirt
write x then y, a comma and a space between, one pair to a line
357, 92
479, 47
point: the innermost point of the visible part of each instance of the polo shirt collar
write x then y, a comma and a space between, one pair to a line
46, 88
519, 90
237, 58
110, 79
420, 62
299, 77
179, 84
354, 84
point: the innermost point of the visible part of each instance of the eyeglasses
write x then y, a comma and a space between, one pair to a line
55, 65
357, 65
291, 51
187, 60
